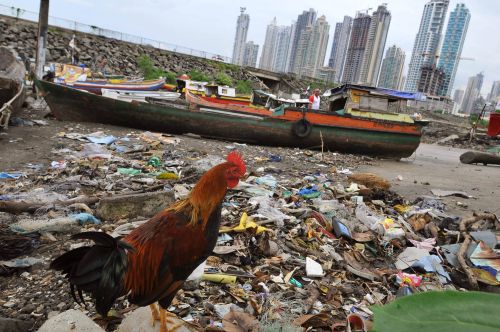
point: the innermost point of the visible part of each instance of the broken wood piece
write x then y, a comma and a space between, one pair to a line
461, 259
474, 157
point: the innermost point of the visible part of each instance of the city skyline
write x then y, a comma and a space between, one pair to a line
404, 24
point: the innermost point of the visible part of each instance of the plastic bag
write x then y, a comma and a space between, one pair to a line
267, 180
369, 218
267, 208
93, 150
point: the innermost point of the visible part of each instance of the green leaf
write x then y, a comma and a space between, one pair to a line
448, 311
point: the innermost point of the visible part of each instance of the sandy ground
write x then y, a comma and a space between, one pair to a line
438, 167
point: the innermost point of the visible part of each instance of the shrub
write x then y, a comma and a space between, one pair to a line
244, 87
170, 78
147, 68
223, 79
197, 75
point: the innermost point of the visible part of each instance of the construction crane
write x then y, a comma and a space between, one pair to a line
364, 11
437, 56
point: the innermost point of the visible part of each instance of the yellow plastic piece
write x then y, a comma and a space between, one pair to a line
245, 224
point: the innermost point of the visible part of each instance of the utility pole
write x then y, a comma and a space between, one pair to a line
41, 44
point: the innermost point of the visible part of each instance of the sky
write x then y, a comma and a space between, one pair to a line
210, 25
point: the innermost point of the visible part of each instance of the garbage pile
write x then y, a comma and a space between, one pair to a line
306, 241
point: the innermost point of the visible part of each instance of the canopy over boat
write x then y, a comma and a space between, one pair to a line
371, 102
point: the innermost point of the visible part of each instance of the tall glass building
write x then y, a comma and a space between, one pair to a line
427, 41
452, 46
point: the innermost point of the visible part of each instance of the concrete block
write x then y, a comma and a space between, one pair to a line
131, 206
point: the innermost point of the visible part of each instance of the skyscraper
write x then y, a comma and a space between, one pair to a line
336, 38
307, 18
458, 96
301, 51
269, 48
356, 49
375, 45
339, 46
452, 46
316, 47
431, 80
250, 54
494, 95
276, 47
289, 60
472, 92
282, 48
392, 68
427, 41
241, 37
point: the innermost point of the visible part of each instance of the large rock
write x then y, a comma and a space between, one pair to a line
139, 320
131, 206
70, 320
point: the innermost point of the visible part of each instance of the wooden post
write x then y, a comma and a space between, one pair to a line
41, 44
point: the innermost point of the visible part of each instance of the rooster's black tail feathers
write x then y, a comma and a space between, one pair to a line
97, 269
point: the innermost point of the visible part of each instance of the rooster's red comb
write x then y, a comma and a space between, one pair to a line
236, 158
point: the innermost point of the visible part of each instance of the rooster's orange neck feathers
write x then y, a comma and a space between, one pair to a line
206, 195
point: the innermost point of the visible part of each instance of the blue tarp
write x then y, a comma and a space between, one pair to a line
398, 94
388, 92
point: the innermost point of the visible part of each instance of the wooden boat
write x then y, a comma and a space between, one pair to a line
139, 95
12, 93
296, 127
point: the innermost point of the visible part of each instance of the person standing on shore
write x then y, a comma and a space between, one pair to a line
314, 100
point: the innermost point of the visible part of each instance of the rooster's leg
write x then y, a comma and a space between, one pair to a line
155, 313
163, 321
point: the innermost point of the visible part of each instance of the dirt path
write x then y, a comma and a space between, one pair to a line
439, 167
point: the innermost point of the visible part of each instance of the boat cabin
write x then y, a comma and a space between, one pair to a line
184, 83
270, 101
214, 90
367, 101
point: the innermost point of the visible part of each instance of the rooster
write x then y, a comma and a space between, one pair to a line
152, 262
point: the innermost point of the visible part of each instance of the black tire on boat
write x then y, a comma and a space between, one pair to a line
302, 128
